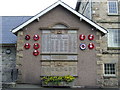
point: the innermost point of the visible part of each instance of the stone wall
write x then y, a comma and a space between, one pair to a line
106, 56
100, 15
19, 55
8, 63
0, 67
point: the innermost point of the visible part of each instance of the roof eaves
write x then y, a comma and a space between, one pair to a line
36, 16
84, 18
65, 6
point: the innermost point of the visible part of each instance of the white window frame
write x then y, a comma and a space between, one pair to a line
107, 75
115, 1
112, 36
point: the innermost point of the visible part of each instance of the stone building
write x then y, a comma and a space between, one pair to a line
8, 46
106, 13
58, 41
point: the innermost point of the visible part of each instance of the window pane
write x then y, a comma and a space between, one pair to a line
118, 37
113, 8
113, 72
113, 38
109, 69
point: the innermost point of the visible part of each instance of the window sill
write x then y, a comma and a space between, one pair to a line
113, 14
110, 76
113, 48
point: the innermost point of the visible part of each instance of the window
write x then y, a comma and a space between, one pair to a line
113, 38
109, 69
59, 26
112, 7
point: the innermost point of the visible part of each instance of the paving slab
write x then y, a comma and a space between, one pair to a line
27, 86
38, 87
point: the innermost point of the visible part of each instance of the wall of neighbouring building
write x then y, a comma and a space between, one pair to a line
8, 63
99, 14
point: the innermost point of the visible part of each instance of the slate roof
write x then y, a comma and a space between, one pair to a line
8, 23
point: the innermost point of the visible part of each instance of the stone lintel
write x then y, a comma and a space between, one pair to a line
20, 33
98, 41
99, 72
99, 62
99, 55
98, 48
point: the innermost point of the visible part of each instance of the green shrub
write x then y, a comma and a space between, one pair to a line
57, 79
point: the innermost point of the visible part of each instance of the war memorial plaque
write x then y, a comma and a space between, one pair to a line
60, 48
59, 43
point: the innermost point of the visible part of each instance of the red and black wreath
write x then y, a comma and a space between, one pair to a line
82, 37
27, 37
36, 52
36, 46
27, 46
90, 37
36, 37
91, 46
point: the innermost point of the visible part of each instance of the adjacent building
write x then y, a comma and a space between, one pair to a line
8, 46
58, 41
106, 13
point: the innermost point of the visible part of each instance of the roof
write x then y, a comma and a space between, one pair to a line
52, 7
8, 23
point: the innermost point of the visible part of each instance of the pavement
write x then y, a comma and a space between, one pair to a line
27, 86
38, 87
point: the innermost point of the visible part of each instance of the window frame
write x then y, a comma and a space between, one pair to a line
111, 43
109, 75
115, 1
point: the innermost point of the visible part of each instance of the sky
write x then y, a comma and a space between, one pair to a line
27, 7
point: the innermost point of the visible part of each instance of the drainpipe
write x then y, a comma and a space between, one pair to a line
90, 2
